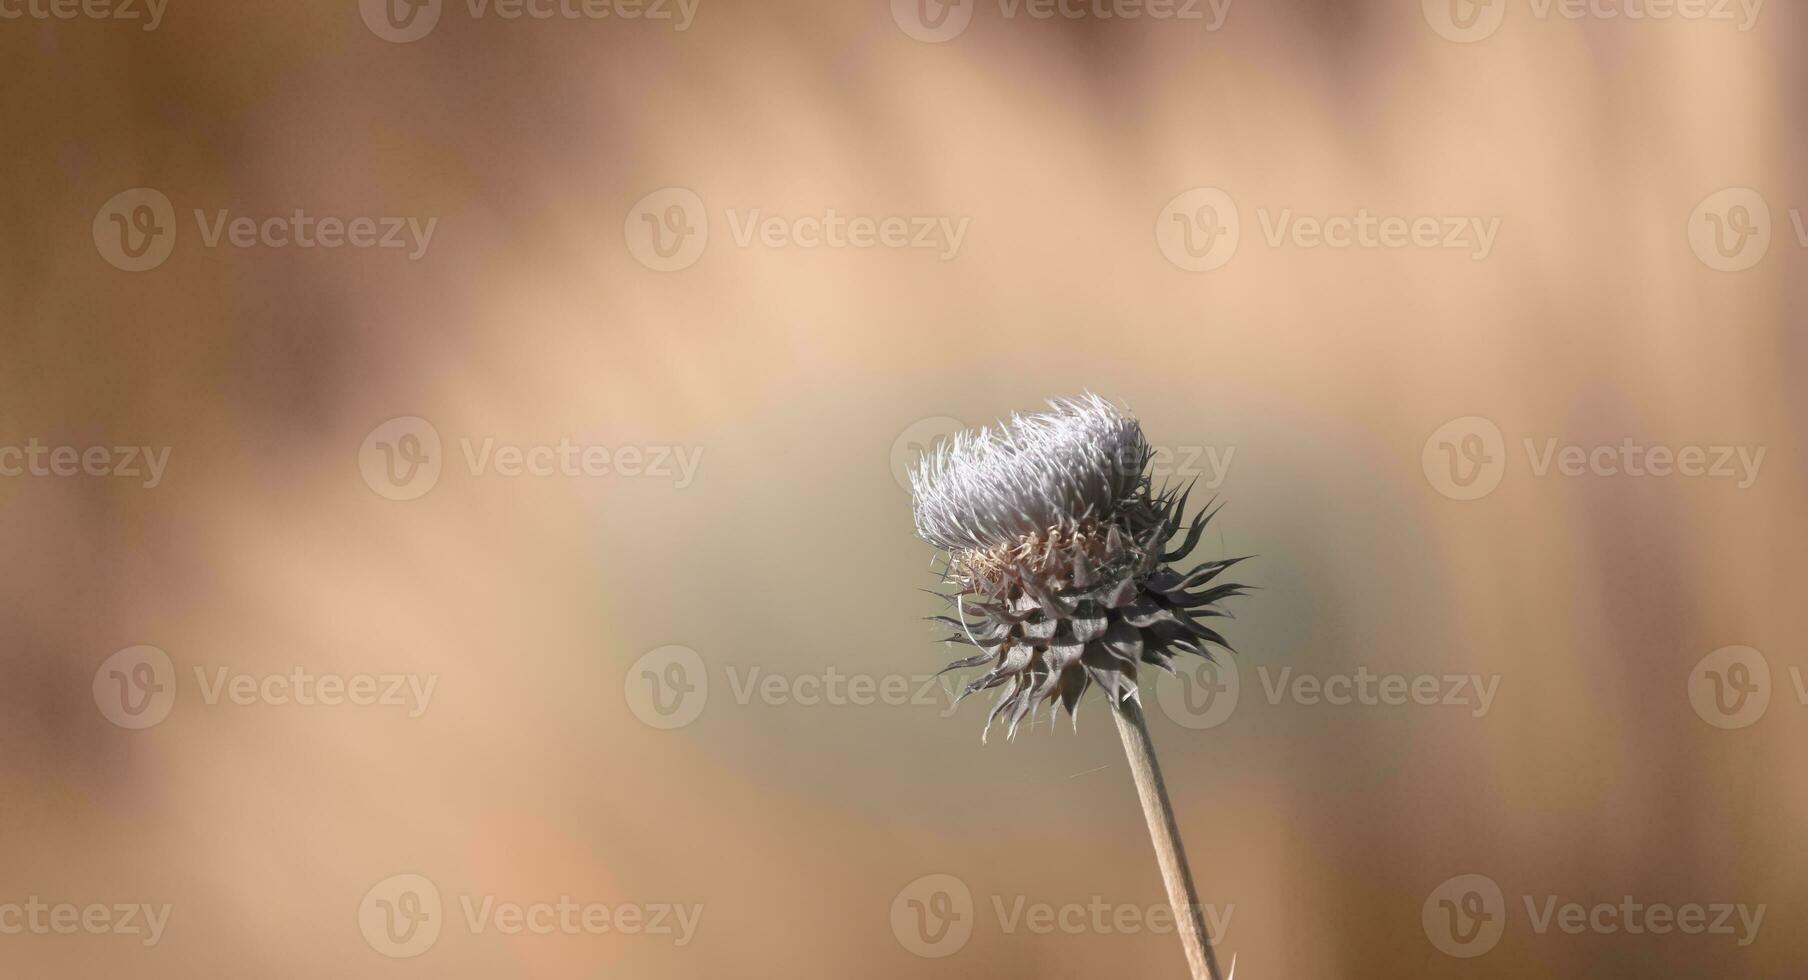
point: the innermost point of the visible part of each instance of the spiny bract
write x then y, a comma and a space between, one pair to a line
1055, 538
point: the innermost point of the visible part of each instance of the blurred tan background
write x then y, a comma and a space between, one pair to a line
569, 295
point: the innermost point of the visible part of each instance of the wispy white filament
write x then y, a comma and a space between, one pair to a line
997, 485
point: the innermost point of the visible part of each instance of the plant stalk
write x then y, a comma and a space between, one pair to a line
1166, 836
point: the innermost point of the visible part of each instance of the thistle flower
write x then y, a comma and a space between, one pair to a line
1058, 554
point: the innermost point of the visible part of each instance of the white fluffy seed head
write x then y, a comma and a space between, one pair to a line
997, 486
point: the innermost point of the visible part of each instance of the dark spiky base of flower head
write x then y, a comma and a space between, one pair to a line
1054, 615
1058, 552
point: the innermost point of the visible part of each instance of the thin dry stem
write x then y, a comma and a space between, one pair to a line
1166, 835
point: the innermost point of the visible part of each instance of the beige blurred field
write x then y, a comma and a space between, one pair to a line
811, 776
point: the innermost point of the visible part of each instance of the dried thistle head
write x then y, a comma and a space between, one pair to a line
1057, 548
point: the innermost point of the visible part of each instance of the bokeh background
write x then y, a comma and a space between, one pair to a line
800, 381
